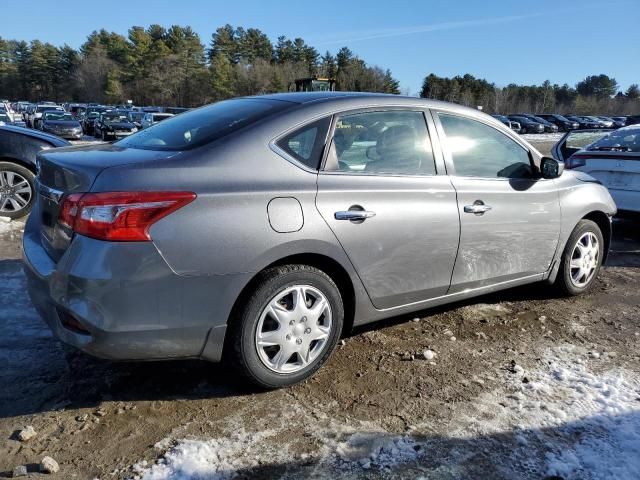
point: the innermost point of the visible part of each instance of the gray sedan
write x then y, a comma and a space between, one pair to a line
259, 230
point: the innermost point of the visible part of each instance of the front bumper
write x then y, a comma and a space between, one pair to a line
133, 306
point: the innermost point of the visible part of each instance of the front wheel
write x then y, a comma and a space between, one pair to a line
581, 259
289, 327
16, 190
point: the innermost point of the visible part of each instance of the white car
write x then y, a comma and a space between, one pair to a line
612, 157
153, 118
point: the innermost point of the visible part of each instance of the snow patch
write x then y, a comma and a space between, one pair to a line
567, 419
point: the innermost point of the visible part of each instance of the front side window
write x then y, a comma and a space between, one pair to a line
478, 150
307, 143
387, 142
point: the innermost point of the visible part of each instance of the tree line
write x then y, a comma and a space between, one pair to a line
160, 66
596, 94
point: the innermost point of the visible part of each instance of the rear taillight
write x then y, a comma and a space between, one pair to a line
119, 216
575, 161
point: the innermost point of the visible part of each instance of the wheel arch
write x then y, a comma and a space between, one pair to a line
330, 266
23, 163
604, 223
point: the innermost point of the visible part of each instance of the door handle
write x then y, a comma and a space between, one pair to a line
354, 215
478, 208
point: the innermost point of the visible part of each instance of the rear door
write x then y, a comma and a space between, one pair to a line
394, 214
509, 218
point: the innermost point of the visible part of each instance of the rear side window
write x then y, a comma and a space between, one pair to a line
307, 143
203, 125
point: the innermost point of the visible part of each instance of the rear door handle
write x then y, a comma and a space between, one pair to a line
354, 215
478, 208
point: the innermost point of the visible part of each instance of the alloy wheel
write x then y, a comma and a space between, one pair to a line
293, 329
584, 259
15, 192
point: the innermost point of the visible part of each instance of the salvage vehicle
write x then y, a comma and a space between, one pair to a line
150, 119
513, 125
18, 149
259, 230
612, 157
62, 124
563, 124
113, 125
526, 124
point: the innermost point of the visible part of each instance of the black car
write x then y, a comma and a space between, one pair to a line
563, 124
548, 126
512, 124
633, 119
18, 149
527, 125
113, 125
62, 124
585, 122
88, 120
622, 120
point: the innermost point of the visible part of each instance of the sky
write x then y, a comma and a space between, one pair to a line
503, 41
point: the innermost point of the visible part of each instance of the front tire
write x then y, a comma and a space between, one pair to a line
288, 328
581, 259
16, 190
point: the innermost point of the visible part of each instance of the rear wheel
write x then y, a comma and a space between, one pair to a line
16, 190
289, 327
581, 259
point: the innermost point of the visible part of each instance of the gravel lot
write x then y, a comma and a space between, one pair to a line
520, 384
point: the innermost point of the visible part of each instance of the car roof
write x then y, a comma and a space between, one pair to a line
367, 99
29, 132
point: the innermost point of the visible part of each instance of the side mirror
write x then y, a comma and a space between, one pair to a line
550, 167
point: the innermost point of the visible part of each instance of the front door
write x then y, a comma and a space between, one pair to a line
396, 218
509, 218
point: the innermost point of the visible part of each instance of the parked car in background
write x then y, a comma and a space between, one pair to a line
563, 124
622, 120
513, 125
612, 157
87, 121
585, 122
633, 119
113, 125
135, 117
548, 126
603, 123
18, 149
62, 124
244, 228
526, 124
4, 119
611, 122
36, 116
153, 118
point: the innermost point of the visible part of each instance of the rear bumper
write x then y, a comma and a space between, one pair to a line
133, 306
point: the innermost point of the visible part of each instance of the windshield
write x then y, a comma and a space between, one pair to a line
115, 118
58, 116
561, 118
622, 140
204, 125
47, 108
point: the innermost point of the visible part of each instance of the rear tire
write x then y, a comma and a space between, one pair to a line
581, 259
288, 328
17, 191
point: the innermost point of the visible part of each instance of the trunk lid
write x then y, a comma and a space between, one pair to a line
69, 170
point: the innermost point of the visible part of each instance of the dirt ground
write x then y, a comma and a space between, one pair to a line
481, 405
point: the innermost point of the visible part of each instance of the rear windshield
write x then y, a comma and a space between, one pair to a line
622, 140
198, 127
